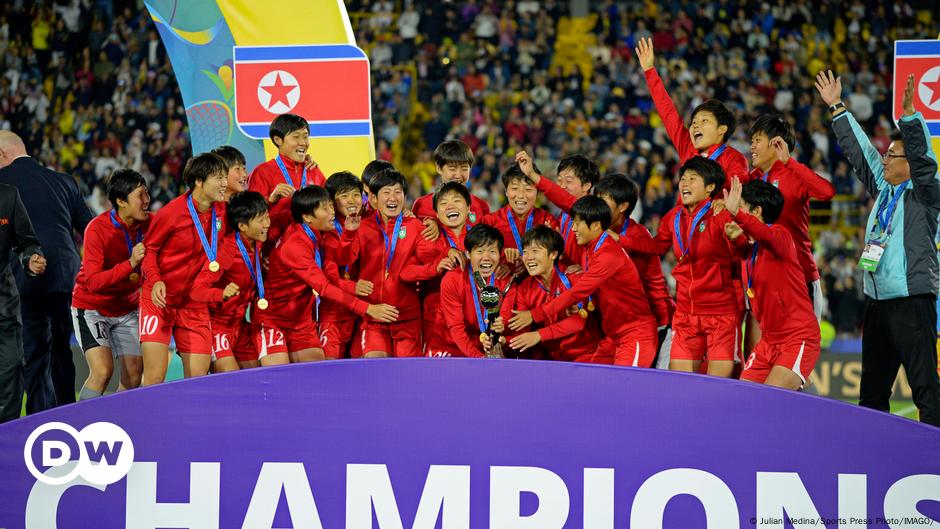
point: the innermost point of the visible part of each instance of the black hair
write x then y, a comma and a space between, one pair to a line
230, 155
201, 167
772, 126
388, 177
515, 173
583, 167
451, 187
722, 113
591, 209
620, 188
483, 235
284, 124
373, 168
545, 237
122, 183
243, 207
766, 195
709, 170
342, 182
306, 200
453, 152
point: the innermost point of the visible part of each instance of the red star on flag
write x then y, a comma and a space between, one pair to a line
934, 87
279, 91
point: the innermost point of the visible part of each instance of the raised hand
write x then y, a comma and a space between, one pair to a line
644, 52
281, 191
733, 198
780, 148
829, 87
352, 223
527, 167
908, 102
137, 255
309, 162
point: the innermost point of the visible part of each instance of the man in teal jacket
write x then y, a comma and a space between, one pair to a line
900, 264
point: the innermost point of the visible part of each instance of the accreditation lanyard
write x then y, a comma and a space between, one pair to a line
482, 322
290, 181
253, 269
139, 236
886, 208
677, 229
721, 148
390, 244
211, 250
515, 229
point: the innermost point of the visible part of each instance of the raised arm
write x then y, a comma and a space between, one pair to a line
920, 156
673, 122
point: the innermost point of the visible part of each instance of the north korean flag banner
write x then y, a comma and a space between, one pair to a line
326, 84
921, 58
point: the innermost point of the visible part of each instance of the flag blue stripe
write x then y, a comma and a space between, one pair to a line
925, 47
318, 130
275, 53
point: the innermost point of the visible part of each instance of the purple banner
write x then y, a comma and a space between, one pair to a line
460, 444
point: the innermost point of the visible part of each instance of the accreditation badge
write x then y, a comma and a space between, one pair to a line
871, 256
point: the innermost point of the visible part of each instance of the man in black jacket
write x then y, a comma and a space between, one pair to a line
57, 210
16, 233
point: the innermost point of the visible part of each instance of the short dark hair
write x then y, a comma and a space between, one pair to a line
722, 113
122, 183
306, 200
201, 167
453, 152
243, 207
284, 124
772, 126
342, 182
583, 167
766, 195
482, 235
515, 173
620, 188
373, 168
709, 170
451, 187
230, 155
545, 237
388, 177
591, 209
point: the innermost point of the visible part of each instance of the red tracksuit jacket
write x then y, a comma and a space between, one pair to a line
704, 280
650, 268
103, 282
460, 311
436, 335
332, 244
423, 208
174, 250
780, 302
500, 221
798, 184
209, 285
267, 176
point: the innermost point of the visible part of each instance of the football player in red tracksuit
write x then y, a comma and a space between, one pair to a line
774, 277
466, 318
337, 324
519, 215
707, 321
386, 247
567, 336
237, 178
298, 275
712, 123
613, 284
453, 160
107, 287
278, 178
237, 292
182, 240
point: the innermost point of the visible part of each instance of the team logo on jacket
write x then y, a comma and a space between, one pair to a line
402, 233
701, 226
272, 80
473, 218
776, 183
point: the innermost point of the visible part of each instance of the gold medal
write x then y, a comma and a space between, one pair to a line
591, 306
134, 277
214, 266
346, 275
262, 304
750, 292
482, 337
583, 313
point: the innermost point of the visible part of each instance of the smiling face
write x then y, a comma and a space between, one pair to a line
454, 172
570, 182
257, 228
705, 130
348, 203
692, 188
137, 205
214, 186
237, 179
617, 211
452, 210
294, 145
538, 260
585, 233
322, 217
390, 201
763, 155
895, 163
485, 258
521, 196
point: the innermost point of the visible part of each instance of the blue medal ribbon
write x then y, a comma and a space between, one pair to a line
600, 241
127, 236
683, 248
721, 148
451, 241
389, 244
211, 251
567, 282
254, 270
766, 176
482, 322
339, 231
290, 181
626, 224
586, 260
317, 258
515, 229
886, 209
751, 263
566, 223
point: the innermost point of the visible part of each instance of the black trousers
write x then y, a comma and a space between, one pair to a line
11, 365
48, 372
897, 332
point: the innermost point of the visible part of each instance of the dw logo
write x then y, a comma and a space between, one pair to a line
103, 450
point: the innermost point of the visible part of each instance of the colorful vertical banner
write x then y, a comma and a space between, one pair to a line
237, 65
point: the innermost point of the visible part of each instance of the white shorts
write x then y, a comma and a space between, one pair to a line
119, 334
